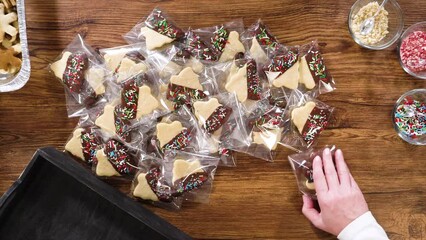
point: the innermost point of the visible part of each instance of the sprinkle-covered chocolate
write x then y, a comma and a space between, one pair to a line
282, 62
119, 157
220, 38
316, 123
162, 191
264, 37
217, 119
179, 142
121, 125
198, 48
180, 95
158, 22
129, 99
192, 182
90, 143
254, 87
272, 118
73, 76
317, 67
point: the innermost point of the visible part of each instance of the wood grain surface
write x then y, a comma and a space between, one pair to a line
255, 200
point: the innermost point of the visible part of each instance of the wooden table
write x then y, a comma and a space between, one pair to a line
256, 199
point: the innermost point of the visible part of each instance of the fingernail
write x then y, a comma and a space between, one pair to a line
327, 151
317, 159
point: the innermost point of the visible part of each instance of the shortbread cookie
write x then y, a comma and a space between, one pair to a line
227, 43
125, 64
211, 114
268, 137
310, 121
184, 88
137, 101
149, 187
95, 77
313, 70
188, 176
120, 158
112, 120
238, 84
158, 31
283, 70
104, 168
271, 119
58, 67
6, 21
257, 51
84, 144
173, 136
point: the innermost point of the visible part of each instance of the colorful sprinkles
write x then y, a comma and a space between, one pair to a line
198, 48
119, 157
192, 182
410, 118
90, 143
254, 87
317, 66
162, 191
281, 63
158, 22
316, 123
220, 38
129, 99
217, 119
264, 37
181, 141
180, 95
73, 76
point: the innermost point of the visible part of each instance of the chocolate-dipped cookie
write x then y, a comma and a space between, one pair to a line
120, 158
188, 176
283, 70
173, 136
73, 76
313, 70
83, 144
310, 120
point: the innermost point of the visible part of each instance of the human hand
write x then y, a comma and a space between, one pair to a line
339, 197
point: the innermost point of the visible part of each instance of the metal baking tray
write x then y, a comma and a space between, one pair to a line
57, 198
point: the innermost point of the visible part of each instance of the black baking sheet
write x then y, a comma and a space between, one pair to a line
56, 198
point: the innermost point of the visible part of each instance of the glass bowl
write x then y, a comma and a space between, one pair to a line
395, 24
421, 26
416, 116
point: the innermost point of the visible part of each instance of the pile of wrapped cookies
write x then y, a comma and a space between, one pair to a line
169, 108
10, 47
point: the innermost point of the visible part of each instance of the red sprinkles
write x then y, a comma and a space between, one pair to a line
413, 51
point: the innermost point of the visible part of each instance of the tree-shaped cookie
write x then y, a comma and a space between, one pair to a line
188, 176
172, 136
84, 144
310, 120
159, 31
282, 70
226, 43
244, 81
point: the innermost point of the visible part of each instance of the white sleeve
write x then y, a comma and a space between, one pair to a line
365, 227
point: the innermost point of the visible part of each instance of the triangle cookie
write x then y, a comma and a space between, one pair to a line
143, 190
204, 109
238, 84
167, 131
154, 39
95, 78
130, 68
257, 52
289, 79
300, 115
58, 67
268, 137
112, 60
106, 119
73, 146
183, 168
232, 47
104, 168
305, 74
146, 102
187, 78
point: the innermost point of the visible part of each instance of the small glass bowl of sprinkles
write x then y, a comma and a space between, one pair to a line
412, 50
388, 24
409, 117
